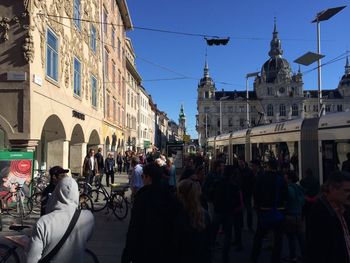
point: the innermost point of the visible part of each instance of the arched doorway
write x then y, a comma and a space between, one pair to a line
107, 145
94, 141
77, 148
53, 147
114, 143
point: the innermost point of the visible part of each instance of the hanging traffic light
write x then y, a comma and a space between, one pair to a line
217, 41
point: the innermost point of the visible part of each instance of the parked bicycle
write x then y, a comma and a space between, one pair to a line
114, 200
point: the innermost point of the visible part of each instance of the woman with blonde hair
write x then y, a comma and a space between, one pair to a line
191, 225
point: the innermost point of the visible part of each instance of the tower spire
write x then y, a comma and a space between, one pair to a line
347, 66
275, 44
206, 68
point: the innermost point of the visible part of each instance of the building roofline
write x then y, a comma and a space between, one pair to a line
124, 10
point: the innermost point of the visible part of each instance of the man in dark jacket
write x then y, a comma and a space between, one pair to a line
149, 234
100, 163
270, 197
328, 224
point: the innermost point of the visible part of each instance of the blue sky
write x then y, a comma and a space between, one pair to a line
249, 24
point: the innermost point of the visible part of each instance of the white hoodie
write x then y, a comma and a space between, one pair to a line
51, 227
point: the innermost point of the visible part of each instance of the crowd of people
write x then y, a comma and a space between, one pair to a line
179, 220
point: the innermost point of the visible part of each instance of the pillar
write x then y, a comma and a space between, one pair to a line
76, 157
57, 153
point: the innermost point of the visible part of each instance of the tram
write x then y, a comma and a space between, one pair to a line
319, 144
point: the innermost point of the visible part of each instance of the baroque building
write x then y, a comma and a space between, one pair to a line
278, 95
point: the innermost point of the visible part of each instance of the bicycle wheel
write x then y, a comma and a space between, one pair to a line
34, 203
85, 202
120, 206
15, 209
90, 257
8, 254
99, 200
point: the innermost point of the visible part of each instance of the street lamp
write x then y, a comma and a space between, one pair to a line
323, 16
249, 75
221, 99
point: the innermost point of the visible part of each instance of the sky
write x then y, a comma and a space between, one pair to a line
171, 65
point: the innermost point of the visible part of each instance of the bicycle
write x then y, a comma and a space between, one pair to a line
115, 200
8, 253
16, 203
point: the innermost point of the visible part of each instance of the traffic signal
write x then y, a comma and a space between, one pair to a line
217, 41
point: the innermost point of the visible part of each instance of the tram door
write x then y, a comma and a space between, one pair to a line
330, 160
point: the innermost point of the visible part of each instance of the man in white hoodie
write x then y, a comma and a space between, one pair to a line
51, 227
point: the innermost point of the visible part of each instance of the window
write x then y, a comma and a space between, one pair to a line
340, 107
106, 63
113, 38
241, 122
282, 110
230, 109
119, 47
77, 77
114, 110
230, 122
315, 108
206, 109
269, 110
93, 38
218, 122
128, 97
93, 91
113, 75
132, 100
119, 83
328, 108
206, 95
105, 21
119, 115
107, 106
52, 55
269, 91
112, 5
76, 14
295, 110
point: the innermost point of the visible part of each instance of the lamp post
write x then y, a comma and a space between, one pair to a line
221, 99
322, 16
249, 75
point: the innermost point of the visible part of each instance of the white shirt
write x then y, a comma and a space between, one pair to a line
92, 159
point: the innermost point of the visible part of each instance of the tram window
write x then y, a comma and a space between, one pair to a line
328, 108
340, 107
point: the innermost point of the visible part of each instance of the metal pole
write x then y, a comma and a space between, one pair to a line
220, 118
206, 125
319, 68
247, 102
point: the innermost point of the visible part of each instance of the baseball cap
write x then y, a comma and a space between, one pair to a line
56, 170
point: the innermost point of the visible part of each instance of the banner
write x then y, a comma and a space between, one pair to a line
15, 167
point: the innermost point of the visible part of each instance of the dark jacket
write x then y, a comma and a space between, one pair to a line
149, 234
266, 190
227, 196
190, 245
109, 166
99, 159
325, 242
87, 166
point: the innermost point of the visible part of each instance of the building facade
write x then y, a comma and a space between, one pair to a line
51, 90
278, 95
116, 21
133, 82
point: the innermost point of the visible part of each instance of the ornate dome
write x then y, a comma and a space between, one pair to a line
276, 64
273, 67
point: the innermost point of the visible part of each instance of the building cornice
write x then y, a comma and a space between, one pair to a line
124, 11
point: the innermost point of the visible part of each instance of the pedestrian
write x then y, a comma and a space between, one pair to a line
149, 234
346, 164
90, 168
100, 165
294, 227
109, 168
226, 198
120, 162
172, 174
135, 177
270, 197
49, 229
327, 226
127, 160
56, 174
191, 233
